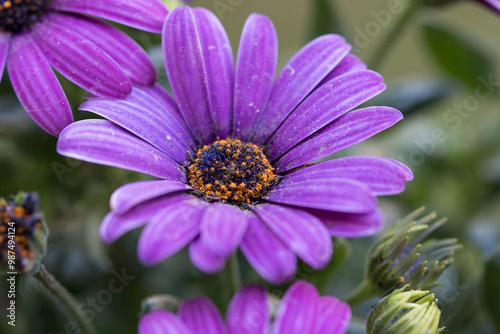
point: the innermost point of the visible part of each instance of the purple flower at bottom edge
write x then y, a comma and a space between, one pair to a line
301, 311
36, 35
257, 188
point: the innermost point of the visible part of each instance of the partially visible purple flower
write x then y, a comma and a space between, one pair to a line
235, 151
36, 35
301, 311
493, 4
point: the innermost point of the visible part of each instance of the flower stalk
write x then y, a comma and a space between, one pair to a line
63, 298
362, 292
231, 277
391, 37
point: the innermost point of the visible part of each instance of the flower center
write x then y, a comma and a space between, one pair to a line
230, 171
17, 15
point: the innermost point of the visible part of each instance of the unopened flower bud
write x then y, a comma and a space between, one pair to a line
23, 234
408, 312
160, 302
402, 257
171, 4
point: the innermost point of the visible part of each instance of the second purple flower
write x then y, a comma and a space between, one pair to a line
235, 150
301, 311
38, 35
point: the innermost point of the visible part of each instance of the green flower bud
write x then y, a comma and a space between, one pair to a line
402, 257
408, 312
171, 4
23, 234
160, 302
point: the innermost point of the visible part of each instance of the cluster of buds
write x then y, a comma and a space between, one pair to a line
410, 312
23, 234
402, 256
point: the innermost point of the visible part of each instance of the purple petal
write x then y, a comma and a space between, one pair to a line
156, 97
129, 55
248, 311
201, 316
302, 232
199, 65
222, 228
298, 78
333, 194
132, 194
383, 176
219, 66
204, 259
146, 15
326, 104
36, 85
493, 4
255, 72
115, 224
81, 61
4, 51
161, 129
333, 316
102, 142
350, 63
169, 231
270, 257
298, 310
162, 322
348, 225
350, 129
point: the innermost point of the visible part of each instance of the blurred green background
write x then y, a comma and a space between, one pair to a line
433, 68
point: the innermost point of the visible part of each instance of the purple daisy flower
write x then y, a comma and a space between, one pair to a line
301, 311
257, 188
36, 35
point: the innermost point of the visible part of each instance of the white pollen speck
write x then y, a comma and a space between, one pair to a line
168, 137
155, 157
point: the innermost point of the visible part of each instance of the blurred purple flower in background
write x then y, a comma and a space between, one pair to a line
255, 188
494, 4
36, 35
301, 311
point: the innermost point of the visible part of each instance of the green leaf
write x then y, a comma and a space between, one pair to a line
457, 53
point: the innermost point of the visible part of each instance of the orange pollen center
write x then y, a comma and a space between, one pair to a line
231, 171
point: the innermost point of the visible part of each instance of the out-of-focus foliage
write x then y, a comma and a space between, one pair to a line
457, 53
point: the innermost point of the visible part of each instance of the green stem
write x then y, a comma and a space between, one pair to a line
361, 293
63, 298
235, 273
395, 30
232, 278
